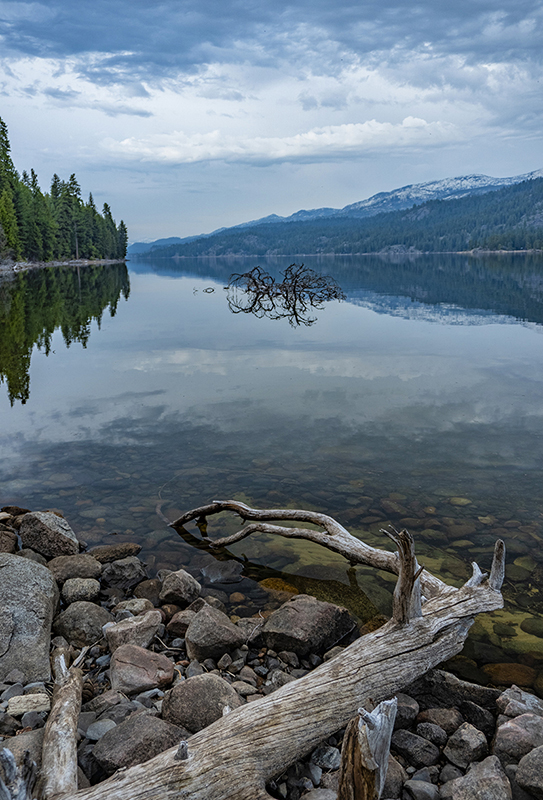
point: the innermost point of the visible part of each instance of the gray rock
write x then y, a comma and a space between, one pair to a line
210, 634
136, 605
97, 729
121, 711
75, 589
81, 623
326, 757
321, 794
135, 741
421, 790
467, 744
149, 589
197, 702
479, 717
484, 781
514, 702
222, 572
447, 718
81, 565
125, 573
134, 669
530, 772
48, 534
518, 793
450, 773
395, 779
8, 541
31, 741
244, 689
417, 751
194, 668
180, 588
434, 733
179, 623
438, 688
514, 739
408, 708
304, 624
136, 630
114, 552
28, 598
27, 552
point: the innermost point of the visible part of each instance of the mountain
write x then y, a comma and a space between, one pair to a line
507, 218
398, 199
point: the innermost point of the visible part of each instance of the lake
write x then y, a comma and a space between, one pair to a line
419, 397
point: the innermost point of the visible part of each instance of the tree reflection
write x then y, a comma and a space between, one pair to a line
257, 292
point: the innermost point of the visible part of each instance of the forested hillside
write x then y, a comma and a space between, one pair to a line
506, 219
38, 226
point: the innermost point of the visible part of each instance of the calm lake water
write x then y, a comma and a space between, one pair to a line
424, 389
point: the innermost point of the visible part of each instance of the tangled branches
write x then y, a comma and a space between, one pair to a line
256, 292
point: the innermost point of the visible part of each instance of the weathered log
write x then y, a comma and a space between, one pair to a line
59, 751
233, 758
365, 750
19, 781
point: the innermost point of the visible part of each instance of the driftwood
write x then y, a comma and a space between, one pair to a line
364, 755
233, 758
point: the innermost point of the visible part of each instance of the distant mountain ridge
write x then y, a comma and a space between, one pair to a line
399, 199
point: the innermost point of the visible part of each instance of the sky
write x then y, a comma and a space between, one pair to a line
189, 116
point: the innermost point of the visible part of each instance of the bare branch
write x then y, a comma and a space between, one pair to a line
497, 572
406, 603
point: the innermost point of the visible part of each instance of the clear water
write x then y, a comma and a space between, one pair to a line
423, 386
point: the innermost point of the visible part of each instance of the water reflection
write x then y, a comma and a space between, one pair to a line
34, 304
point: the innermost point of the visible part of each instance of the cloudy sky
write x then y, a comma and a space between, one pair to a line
187, 116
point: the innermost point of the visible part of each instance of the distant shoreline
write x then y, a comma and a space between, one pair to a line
13, 268
143, 256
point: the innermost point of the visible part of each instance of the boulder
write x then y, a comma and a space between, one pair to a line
484, 781
48, 534
29, 740
417, 751
150, 590
447, 718
81, 623
420, 790
28, 598
408, 708
75, 589
135, 741
210, 634
519, 674
8, 541
438, 688
179, 623
81, 565
125, 573
514, 739
479, 717
467, 744
137, 605
180, 588
114, 552
514, 702
197, 702
134, 669
304, 624
434, 733
395, 779
135, 630
529, 775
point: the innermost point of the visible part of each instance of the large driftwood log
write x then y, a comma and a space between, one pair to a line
233, 758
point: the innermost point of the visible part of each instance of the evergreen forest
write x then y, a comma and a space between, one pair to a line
58, 225
508, 219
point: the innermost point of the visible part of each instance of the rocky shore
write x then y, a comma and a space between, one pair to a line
165, 659
12, 267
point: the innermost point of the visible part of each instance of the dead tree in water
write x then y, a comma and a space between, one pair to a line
233, 758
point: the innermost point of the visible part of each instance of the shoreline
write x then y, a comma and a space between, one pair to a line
13, 268
143, 256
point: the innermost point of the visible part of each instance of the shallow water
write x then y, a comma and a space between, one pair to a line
424, 388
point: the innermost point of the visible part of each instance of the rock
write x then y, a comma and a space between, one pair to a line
48, 534
26, 552
244, 689
134, 669
81, 565
395, 779
15, 511
8, 542
8, 725
514, 739
15, 676
484, 781
105, 553
447, 718
97, 729
514, 702
210, 634
250, 628
81, 623
467, 744
137, 605
150, 590
76, 589
304, 624
28, 597
125, 573
222, 572
408, 708
103, 702
479, 717
434, 733
326, 757
533, 626
416, 750
20, 704
321, 794
179, 587
180, 622
136, 630
440, 688
135, 741
421, 790
529, 775
450, 773
29, 740
197, 702
519, 674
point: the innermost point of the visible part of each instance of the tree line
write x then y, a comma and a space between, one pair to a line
507, 219
38, 226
